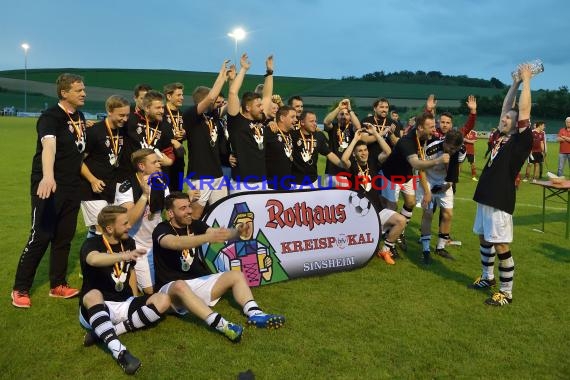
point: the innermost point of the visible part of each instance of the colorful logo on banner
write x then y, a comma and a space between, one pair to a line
293, 234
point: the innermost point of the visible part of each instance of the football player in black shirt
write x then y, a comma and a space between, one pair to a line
362, 167
174, 93
55, 179
340, 133
392, 130
101, 163
279, 149
308, 143
496, 194
108, 307
204, 139
246, 128
182, 274
147, 130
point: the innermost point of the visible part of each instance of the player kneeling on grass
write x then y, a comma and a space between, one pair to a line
183, 275
107, 305
360, 166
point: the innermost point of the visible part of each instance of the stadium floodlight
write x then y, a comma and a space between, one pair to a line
25, 46
237, 34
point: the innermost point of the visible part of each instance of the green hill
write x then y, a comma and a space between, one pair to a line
286, 86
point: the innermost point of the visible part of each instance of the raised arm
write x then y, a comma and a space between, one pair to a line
233, 93
266, 98
212, 235
331, 116
215, 90
510, 98
525, 99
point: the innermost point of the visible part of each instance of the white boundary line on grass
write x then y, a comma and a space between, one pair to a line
519, 204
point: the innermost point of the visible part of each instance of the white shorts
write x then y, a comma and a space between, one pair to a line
495, 225
211, 190
118, 311
90, 211
241, 187
385, 214
201, 287
391, 190
443, 200
145, 269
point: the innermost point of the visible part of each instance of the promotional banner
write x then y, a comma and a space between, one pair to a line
293, 234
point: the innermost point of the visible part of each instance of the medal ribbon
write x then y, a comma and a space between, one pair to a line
185, 252
364, 173
76, 124
118, 269
288, 141
150, 138
175, 120
308, 145
210, 125
114, 139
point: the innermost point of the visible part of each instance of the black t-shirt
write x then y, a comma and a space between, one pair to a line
68, 148
496, 186
278, 155
306, 150
373, 147
102, 160
156, 136
397, 163
169, 265
339, 139
173, 119
224, 137
366, 186
247, 141
203, 144
104, 278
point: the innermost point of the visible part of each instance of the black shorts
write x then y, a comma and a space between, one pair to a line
535, 158
470, 158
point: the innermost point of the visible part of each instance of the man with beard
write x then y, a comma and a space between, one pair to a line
101, 164
245, 125
174, 93
55, 179
108, 307
362, 166
279, 149
146, 129
340, 133
182, 274
204, 137
308, 143
496, 194
392, 131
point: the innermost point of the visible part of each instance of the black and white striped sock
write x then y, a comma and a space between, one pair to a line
506, 272
101, 324
487, 261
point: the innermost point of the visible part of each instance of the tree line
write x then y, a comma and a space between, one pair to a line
430, 77
546, 103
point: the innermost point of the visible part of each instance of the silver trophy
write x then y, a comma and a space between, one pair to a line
536, 67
